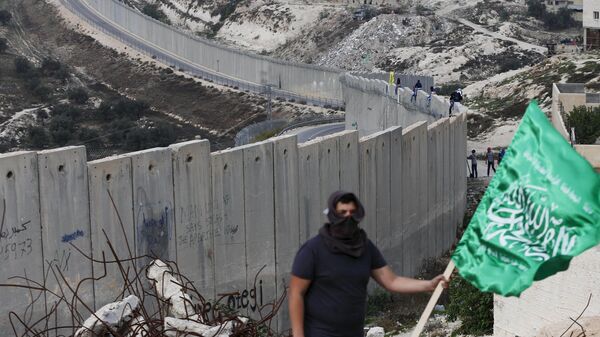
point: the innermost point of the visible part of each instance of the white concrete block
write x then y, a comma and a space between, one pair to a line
311, 209
260, 228
396, 200
111, 177
20, 235
287, 230
193, 212
348, 146
64, 208
228, 222
329, 167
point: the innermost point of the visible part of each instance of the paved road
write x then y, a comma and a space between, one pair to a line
99, 22
311, 132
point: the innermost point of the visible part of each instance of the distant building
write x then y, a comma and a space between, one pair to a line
575, 6
591, 24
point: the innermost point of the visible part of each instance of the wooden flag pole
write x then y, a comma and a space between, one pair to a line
432, 301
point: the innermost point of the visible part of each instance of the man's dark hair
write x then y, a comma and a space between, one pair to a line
348, 198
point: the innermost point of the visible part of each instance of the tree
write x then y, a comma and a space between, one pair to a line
62, 129
536, 8
154, 11
78, 95
586, 122
3, 45
22, 65
38, 137
5, 17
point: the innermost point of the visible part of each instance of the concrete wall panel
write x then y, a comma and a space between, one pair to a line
311, 209
329, 166
111, 178
20, 236
193, 213
228, 221
348, 144
153, 205
396, 200
287, 230
65, 217
260, 225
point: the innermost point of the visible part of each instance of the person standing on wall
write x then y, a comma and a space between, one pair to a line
397, 85
431, 93
490, 161
473, 159
418, 86
455, 97
330, 273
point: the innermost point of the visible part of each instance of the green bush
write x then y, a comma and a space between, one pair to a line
22, 65
68, 111
3, 45
474, 308
118, 129
123, 108
42, 92
562, 19
38, 137
78, 95
5, 17
154, 11
62, 129
586, 122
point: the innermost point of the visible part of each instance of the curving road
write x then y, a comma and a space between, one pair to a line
101, 23
311, 132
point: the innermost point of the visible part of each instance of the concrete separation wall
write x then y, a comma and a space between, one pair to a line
226, 216
303, 79
373, 105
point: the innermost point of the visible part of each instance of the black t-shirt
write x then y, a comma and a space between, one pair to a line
335, 302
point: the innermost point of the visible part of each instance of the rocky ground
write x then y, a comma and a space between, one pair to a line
494, 48
187, 106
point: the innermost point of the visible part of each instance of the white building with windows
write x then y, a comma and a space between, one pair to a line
591, 24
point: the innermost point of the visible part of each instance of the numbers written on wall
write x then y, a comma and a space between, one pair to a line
15, 240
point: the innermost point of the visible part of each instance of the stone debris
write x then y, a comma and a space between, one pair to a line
376, 332
168, 289
113, 316
125, 319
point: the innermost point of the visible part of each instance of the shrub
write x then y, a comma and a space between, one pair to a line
118, 130
78, 95
38, 137
586, 122
90, 136
474, 308
5, 17
42, 92
536, 8
122, 108
163, 135
22, 65
154, 11
136, 139
62, 129
50, 65
68, 111
3, 45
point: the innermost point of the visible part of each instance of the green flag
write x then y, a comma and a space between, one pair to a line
541, 209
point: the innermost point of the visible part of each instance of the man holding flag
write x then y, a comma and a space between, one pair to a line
541, 209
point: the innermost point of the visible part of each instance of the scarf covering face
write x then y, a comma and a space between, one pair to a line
342, 234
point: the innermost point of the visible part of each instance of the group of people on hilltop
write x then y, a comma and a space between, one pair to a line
489, 157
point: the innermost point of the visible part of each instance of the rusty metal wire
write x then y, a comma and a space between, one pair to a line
69, 297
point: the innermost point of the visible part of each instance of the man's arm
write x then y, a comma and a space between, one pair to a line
296, 292
398, 284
